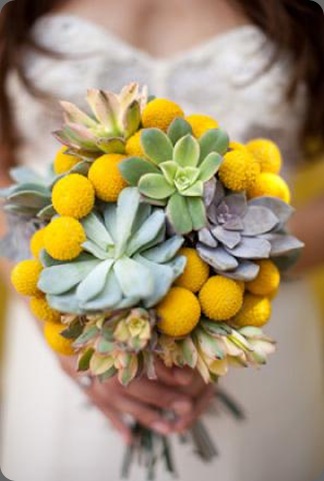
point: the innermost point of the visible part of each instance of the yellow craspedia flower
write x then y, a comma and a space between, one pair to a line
160, 113
239, 170
270, 185
73, 196
221, 298
37, 242
42, 311
196, 271
267, 280
64, 162
24, 277
63, 238
201, 123
267, 154
133, 145
179, 312
56, 341
106, 177
256, 311
236, 146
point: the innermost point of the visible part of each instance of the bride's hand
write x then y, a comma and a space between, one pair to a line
179, 390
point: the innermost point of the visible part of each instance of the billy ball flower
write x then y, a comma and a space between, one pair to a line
63, 238
221, 298
160, 113
179, 312
133, 145
25, 276
64, 162
106, 178
73, 196
42, 311
201, 123
196, 271
268, 184
267, 154
267, 280
54, 338
37, 242
239, 170
256, 311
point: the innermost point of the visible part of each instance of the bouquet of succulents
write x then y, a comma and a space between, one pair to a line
152, 236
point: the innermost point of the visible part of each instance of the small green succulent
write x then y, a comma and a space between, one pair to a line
127, 260
175, 171
113, 119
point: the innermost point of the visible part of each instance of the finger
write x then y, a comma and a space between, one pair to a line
144, 414
112, 414
201, 406
161, 396
173, 376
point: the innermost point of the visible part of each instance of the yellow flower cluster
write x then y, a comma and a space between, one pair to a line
73, 196
221, 298
239, 170
134, 146
160, 113
267, 281
54, 338
268, 184
25, 276
63, 162
37, 242
196, 271
63, 238
42, 311
267, 154
256, 311
106, 178
201, 123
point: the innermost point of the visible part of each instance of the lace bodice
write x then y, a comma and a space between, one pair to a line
225, 77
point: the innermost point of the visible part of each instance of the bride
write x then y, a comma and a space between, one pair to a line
258, 67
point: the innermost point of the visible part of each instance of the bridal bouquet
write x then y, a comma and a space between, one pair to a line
152, 236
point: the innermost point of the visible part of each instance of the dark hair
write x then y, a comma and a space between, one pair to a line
294, 25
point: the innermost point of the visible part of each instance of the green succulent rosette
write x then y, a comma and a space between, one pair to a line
175, 171
127, 260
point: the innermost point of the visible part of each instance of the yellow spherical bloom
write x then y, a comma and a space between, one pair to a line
56, 341
270, 185
256, 311
221, 298
239, 170
201, 123
267, 280
160, 113
267, 154
42, 311
106, 177
196, 271
73, 196
24, 277
37, 242
64, 162
63, 238
133, 145
179, 312
236, 146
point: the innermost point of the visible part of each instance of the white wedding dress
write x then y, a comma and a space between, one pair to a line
48, 433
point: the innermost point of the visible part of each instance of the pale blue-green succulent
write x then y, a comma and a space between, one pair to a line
175, 171
127, 260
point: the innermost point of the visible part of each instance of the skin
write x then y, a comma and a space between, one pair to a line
154, 26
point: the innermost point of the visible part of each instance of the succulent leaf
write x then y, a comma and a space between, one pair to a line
157, 145
178, 128
155, 186
218, 258
258, 220
214, 140
178, 214
209, 166
197, 212
252, 248
186, 152
133, 168
93, 284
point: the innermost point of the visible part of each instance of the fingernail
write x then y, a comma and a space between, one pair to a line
182, 407
182, 377
160, 427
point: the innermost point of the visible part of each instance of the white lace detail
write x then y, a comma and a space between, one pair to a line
222, 77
